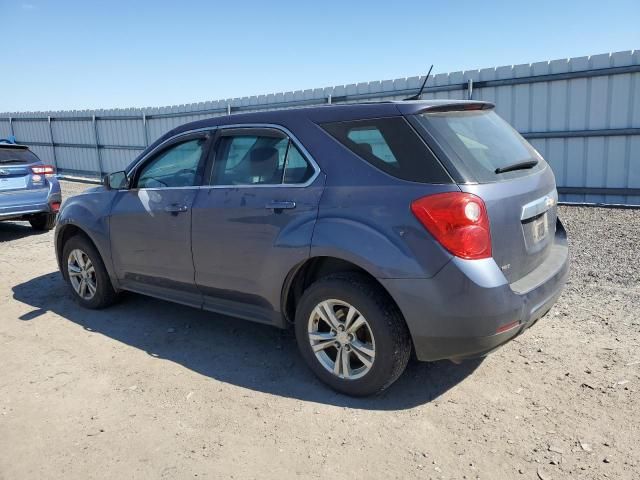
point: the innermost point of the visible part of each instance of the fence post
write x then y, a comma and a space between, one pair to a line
329, 99
11, 127
53, 146
144, 126
97, 138
470, 89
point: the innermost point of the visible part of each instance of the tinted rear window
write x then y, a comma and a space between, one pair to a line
482, 141
17, 156
391, 145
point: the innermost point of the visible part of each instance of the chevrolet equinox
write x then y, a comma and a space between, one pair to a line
374, 230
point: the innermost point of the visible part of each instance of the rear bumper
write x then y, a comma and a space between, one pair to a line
457, 313
15, 205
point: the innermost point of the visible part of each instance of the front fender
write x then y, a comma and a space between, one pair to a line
88, 212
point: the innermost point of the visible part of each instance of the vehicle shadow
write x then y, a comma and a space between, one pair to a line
250, 355
14, 231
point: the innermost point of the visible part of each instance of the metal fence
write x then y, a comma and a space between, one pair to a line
582, 114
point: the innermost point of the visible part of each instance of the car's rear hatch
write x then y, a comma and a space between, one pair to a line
491, 160
14, 178
15, 169
522, 214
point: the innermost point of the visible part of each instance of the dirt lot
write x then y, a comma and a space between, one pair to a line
149, 389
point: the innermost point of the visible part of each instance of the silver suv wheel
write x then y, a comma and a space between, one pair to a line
341, 339
82, 274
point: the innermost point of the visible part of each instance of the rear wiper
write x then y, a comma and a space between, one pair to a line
517, 166
12, 160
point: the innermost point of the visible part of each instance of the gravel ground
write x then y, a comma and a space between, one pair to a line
149, 389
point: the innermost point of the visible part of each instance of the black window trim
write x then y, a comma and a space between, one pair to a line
214, 132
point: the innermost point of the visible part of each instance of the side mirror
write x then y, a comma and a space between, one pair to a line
116, 181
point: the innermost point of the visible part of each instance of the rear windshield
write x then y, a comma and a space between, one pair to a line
16, 156
482, 141
391, 145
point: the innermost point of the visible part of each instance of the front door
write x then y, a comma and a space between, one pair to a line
254, 222
150, 223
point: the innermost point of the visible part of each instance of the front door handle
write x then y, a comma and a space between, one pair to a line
280, 205
176, 208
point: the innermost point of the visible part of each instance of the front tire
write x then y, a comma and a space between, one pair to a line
43, 221
86, 274
351, 334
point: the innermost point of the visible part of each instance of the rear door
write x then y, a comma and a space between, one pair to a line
150, 223
493, 161
254, 221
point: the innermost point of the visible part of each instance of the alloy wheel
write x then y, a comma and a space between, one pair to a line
341, 339
82, 274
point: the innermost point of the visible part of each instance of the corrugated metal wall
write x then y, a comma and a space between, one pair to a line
582, 114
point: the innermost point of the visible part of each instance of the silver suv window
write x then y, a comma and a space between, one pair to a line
178, 166
482, 141
16, 156
254, 159
391, 145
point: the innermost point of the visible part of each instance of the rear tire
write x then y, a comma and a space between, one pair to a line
43, 221
84, 271
368, 329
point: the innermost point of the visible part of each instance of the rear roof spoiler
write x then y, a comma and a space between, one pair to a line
7, 144
457, 107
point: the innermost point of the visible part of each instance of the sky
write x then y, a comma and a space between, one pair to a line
62, 55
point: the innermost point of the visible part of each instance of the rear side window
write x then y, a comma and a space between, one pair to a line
391, 145
482, 142
298, 170
250, 160
16, 156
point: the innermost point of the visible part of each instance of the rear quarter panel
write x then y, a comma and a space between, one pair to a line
365, 216
372, 226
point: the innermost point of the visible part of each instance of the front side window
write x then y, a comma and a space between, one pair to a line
247, 159
178, 166
391, 145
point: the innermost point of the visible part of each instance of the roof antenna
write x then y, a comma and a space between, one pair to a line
418, 96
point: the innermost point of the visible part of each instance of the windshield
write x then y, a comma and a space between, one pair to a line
17, 156
482, 141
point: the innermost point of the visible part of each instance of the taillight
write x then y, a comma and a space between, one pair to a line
55, 207
43, 169
457, 220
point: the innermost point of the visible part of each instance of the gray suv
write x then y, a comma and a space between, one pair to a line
373, 230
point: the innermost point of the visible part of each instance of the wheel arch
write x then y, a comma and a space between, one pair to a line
303, 275
64, 233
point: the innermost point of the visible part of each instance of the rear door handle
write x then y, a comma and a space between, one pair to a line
280, 205
175, 208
